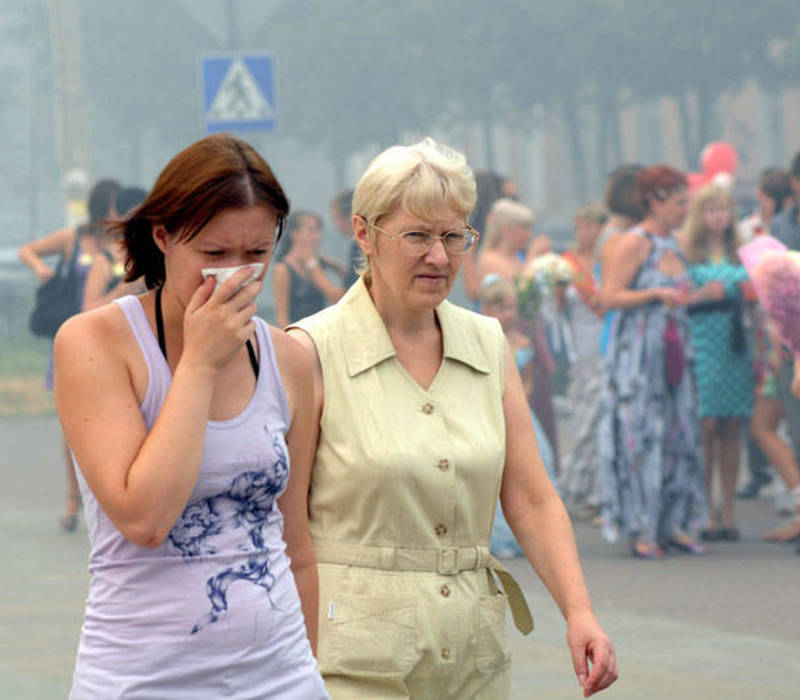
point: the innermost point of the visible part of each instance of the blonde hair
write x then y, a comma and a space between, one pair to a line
503, 213
495, 290
591, 213
695, 233
423, 179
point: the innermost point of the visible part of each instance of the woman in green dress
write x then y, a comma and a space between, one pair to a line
723, 365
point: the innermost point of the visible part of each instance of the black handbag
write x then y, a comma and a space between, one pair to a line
58, 298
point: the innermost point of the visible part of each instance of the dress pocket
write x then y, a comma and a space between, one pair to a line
369, 635
492, 650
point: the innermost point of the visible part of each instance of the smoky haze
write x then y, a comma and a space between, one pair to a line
551, 95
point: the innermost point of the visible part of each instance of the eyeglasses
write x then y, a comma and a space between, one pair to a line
417, 243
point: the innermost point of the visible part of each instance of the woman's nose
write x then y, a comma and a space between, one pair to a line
436, 253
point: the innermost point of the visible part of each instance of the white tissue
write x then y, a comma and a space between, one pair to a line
223, 273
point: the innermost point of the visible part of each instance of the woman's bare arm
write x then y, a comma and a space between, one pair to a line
619, 269
332, 292
281, 281
296, 366
60, 242
542, 527
142, 479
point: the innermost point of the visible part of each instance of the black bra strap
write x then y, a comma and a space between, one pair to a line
162, 343
253, 359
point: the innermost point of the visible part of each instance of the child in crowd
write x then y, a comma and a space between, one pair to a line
498, 299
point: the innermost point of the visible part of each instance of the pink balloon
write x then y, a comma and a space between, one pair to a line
718, 157
696, 181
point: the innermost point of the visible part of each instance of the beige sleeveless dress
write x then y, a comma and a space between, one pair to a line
403, 494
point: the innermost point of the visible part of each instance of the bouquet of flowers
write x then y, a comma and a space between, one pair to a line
538, 279
776, 278
550, 270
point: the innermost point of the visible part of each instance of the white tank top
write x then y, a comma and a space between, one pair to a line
214, 611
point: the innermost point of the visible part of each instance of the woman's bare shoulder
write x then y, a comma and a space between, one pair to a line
629, 244
105, 319
291, 354
100, 333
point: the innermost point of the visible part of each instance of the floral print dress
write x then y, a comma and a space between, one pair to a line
651, 464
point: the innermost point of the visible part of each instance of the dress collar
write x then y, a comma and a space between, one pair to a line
367, 343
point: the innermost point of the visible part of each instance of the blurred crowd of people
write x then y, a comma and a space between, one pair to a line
646, 326
649, 330
649, 326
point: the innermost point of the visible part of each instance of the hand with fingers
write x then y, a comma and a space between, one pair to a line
593, 655
671, 297
218, 320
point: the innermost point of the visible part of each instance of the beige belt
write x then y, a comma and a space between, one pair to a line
447, 561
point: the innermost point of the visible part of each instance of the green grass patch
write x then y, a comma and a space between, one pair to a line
23, 363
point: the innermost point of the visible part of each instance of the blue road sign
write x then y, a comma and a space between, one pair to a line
238, 93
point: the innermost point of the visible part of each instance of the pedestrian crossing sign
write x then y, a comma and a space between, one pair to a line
238, 93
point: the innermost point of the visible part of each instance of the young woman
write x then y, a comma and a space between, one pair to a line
723, 365
299, 283
187, 417
579, 480
104, 281
648, 442
86, 242
498, 299
509, 245
774, 194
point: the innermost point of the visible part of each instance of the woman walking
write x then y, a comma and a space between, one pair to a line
191, 422
423, 423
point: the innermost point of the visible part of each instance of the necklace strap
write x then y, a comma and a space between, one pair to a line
162, 343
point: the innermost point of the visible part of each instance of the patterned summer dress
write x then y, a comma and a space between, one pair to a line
723, 370
579, 479
651, 463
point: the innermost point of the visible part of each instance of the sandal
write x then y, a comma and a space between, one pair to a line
648, 551
685, 544
729, 534
789, 531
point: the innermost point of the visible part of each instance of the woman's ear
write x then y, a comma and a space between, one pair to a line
160, 237
361, 234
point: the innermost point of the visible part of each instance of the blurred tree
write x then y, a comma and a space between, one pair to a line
350, 77
355, 75
696, 51
141, 75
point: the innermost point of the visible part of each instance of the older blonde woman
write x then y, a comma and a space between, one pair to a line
423, 422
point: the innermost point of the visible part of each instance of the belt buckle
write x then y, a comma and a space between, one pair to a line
447, 563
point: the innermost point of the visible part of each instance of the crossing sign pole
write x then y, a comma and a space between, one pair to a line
238, 92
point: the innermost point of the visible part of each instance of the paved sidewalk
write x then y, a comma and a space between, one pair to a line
722, 626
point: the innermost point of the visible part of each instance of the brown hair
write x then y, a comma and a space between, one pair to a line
216, 173
775, 183
696, 233
621, 197
659, 183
